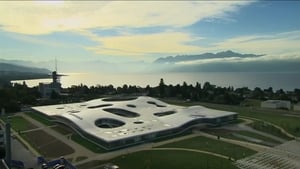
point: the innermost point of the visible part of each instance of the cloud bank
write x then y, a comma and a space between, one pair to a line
29, 21
44, 17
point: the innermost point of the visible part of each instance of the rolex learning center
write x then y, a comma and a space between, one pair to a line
114, 123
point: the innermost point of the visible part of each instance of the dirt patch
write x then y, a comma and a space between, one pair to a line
47, 145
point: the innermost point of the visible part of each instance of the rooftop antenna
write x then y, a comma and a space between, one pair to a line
55, 76
55, 64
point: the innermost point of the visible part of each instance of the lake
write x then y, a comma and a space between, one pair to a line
286, 81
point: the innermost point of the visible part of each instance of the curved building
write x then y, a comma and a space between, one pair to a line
120, 122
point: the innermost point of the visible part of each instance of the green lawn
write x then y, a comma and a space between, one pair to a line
290, 124
168, 159
87, 144
18, 123
171, 160
211, 145
278, 117
41, 118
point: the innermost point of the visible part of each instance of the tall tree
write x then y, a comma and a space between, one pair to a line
162, 88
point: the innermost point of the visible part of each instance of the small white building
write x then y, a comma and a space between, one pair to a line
46, 89
276, 104
297, 107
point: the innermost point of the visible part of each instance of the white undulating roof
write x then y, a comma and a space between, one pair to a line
85, 114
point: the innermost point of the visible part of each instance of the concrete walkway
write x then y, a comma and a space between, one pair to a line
244, 127
255, 147
142, 147
280, 128
193, 150
152, 146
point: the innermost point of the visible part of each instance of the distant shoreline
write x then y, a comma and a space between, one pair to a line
285, 81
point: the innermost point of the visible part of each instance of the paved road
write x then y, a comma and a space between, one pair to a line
19, 152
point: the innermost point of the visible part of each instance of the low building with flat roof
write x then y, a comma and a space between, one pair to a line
297, 107
119, 122
276, 104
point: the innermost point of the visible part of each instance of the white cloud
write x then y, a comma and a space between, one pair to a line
140, 45
44, 17
276, 46
38, 40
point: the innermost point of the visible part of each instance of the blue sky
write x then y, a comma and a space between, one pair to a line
143, 31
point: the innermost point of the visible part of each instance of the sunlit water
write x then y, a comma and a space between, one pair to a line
286, 81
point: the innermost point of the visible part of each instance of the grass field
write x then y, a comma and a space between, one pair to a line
41, 118
277, 117
169, 159
18, 123
211, 145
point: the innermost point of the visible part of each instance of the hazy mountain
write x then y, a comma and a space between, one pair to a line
227, 61
5, 67
10, 72
182, 58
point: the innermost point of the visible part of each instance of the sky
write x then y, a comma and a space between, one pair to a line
134, 31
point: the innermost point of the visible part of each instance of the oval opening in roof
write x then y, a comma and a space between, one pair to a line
166, 113
108, 123
116, 99
154, 103
121, 112
131, 105
99, 106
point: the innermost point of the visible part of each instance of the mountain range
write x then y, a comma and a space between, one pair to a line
10, 72
183, 58
226, 61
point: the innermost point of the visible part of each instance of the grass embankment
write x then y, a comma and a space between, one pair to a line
233, 135
87, 144
172, 159
63, 130
277, 117
267, 128
41, 118
211, 145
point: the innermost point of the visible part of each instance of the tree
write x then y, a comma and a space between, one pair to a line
54, 95
162, 88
